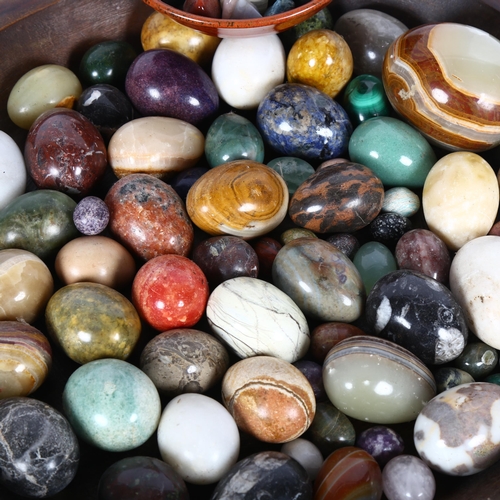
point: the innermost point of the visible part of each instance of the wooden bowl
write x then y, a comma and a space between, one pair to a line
35, 32
225, 28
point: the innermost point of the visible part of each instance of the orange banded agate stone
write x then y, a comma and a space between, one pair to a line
242, 198
445, 80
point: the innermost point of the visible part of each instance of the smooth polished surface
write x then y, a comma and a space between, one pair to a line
460, 198
12, 170
111, 404
381, 442
443, 79
92, 321
456, 432
155, 145
25, 359
269, 398
241, 198
198, 437
254, 318
377, 381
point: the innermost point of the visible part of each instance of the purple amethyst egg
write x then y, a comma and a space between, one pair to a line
314, 374
381, 442
163, 82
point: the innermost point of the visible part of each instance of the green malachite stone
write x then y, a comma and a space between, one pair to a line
92, 321
374, 260
364, 98
107, 62
397, 153
233, 137
293, 170
40, 222
330, 429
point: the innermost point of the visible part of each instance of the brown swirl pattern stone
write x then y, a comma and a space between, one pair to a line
269, 398
242, 198
148, 217
443, 79
341, 196
457, 432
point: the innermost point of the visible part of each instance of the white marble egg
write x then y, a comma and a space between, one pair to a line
199, 438
475, 284
306, 453
254, 317
12, 170
244, 70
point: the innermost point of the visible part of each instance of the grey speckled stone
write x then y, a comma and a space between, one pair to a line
39, 452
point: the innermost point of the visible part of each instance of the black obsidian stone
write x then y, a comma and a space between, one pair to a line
418, 313
389, 227
39, 452
142, 478
269, 474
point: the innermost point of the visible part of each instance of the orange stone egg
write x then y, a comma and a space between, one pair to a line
269, 398
242, 198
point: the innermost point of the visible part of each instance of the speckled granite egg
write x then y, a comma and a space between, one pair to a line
341, 196
162, 82
39, 452
148, 217
271, 473
184, 360
111, 404
254, 318
92, 321
298, 120
418, 313
269, 398
91, 215
242, 198
456, 433
320, 279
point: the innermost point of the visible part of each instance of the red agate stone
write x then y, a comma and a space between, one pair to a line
349, 473
170, 291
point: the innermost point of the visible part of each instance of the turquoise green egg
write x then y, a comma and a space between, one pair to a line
364, 98
40, 222
112, 404
293, 170
233, 137
397, 153
401, 201
373, 260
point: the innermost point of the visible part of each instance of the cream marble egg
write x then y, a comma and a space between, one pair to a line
475, 284
254, 317
244, 70
12, 170
199, 438
460, 198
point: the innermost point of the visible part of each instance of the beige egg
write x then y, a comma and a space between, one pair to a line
97, 259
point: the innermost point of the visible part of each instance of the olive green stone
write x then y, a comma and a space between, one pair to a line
92, 321
293, 170
40, 222
478, 359
330, 429
295, 233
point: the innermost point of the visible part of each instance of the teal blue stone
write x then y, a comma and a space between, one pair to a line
493, 378
112, 404
233, 137
374, 260
293, 170
280, 6
40, 222
397, 153
401, 201
364, 98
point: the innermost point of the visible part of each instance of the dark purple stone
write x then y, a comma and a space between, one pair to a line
266, 248
225, 257
163, 82
381, 442
422, 251
91, 216
347, 243
314, 374
183, 181
142, 477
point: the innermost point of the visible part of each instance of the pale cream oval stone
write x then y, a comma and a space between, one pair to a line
26, 285
43, 88
475, 284
97, 259
460, 198
155, 145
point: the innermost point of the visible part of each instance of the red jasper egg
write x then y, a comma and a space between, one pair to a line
170, 291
